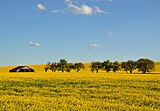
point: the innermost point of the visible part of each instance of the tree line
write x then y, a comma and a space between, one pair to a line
143, 65
63, 66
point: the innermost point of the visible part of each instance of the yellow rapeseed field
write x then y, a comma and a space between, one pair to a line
83, 91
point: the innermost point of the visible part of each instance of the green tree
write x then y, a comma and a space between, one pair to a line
96, 66
145, 65
47, 66
107, 65
92, 69
78, 66
62, 65
115, 66
130, 65
53, 67
124, 66
69, 67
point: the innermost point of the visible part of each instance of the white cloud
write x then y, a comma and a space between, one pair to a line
41, 6
37, 44
110, 0
63, 11
124, 57
102, 0
83, 9
79, 9
141, 57
94, 45
31, 43
67, 0
111, 34
55, 11
98, 10
87, 54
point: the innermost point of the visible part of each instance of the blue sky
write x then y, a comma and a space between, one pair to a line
38, 31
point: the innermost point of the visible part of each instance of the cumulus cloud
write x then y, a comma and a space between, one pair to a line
94, 46
34, 44
41, 6
83, 9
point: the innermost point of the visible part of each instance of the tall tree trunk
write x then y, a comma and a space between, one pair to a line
97, 70
107, 71
144, 72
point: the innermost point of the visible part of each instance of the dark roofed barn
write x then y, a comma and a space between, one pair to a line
22, 69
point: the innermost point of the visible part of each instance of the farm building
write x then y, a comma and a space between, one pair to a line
22, 69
